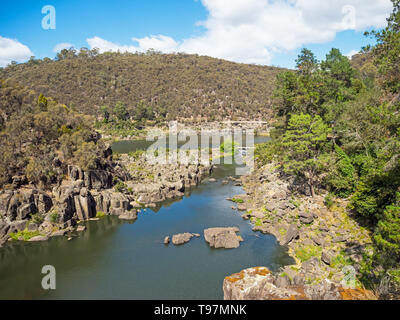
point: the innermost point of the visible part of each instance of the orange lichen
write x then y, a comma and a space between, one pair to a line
260, 271
235, 277
356, 294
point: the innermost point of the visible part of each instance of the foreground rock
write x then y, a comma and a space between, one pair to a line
129, 216
260, 284
116, 187
167, 240
39, 239
182, 238
223, 238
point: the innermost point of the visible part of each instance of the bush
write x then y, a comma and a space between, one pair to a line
54, 217
329, 200
305, 253
25, 234
120, 187
100, 214
37, 218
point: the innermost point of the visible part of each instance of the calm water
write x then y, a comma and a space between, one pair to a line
119, 260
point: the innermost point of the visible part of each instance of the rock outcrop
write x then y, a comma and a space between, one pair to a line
129, 215
260, 284
22, 203
79, 195
182, 238
223, 237
323, 242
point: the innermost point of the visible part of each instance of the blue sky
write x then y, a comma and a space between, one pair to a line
249, 31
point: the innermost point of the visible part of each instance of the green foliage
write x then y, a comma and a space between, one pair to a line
167, 86
387, 235
137, 154
317, 88
304, 141
25, 235
386, 52
306, 62
42, 102
38, 131
54, 217
100, 214
305, 253
37, 218
229, 146
235, 200
120, 111
120, 187
329, 200
343, 177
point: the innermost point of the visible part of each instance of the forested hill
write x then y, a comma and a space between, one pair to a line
174, 86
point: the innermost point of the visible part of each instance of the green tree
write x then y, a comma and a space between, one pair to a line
120, 111
386, 52
106, 114
338, 66
305, 141
42, 102
306, 63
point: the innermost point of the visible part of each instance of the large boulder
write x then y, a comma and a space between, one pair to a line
98, 179
181, 238
22, 203
292, 234
129, 216
223, 237
306, 217
93, 179
85, 205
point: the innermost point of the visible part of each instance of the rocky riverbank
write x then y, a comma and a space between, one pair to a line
327, 244
120, 188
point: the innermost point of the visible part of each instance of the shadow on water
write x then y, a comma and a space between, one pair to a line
118, 260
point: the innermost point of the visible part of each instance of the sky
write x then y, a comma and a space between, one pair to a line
265, 32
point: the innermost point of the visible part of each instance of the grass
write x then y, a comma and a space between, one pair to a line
258, 222
236, 200
340, 261
305, 253
25, 235
100, 214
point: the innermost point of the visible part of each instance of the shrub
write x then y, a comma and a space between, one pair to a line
54, 217
305, 253
100, 214
120, 187
25, 234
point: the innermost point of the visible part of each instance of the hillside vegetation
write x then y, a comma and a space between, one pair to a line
40, 137
173, 86
339, 130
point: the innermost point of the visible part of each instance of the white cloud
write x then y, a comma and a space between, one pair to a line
352, 53
62, 46
159, 43
251, 31
13, 50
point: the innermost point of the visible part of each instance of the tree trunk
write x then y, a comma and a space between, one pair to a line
311, 184
312, 190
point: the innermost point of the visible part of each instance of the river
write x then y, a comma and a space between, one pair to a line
119, 260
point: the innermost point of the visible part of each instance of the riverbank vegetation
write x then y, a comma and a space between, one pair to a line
339, 130
39, 137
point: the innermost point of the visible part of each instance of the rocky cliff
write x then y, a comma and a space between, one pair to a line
326, 243
27, 212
